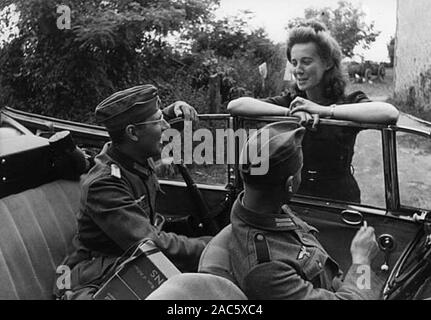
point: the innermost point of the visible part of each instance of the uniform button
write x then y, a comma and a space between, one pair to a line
259, 237
319, 264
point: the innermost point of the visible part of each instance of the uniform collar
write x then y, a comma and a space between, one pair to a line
147, 168
283, 221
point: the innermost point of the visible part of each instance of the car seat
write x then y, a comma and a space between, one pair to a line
215, 258
197, 286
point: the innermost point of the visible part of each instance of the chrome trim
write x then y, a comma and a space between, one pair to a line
322, 121
386, 242
390, 170
230, 167
424, 133
4, 118
40, 122
237, 124
352, 212
47, 123
200, 186
221, 116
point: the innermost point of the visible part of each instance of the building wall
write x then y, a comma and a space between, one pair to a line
413, 52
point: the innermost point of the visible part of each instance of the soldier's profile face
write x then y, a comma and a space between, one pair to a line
150, 134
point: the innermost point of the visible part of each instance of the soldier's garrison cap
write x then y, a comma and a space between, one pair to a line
128, 106
272, 154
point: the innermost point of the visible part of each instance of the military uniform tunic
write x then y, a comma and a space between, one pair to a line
277, 256
117, 211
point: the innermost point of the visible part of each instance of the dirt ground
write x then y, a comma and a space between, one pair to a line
376, 90
413, 155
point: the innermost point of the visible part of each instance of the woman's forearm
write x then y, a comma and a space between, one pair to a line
369, 112
252, 107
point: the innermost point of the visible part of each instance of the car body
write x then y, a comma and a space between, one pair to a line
391, 165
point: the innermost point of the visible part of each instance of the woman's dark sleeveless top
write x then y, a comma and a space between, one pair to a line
328, 154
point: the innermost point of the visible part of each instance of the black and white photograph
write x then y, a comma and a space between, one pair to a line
214, 155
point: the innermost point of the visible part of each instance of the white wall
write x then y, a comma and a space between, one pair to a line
413, 51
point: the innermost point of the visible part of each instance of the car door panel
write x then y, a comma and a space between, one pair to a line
336, 235
179, 206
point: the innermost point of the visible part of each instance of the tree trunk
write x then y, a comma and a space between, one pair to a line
214, 97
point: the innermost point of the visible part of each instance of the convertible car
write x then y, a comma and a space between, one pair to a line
392, 165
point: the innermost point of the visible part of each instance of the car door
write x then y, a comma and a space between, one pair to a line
374, 167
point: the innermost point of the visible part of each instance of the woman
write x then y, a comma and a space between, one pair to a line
320, 92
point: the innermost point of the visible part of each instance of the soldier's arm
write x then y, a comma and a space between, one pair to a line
279, 281
114, 209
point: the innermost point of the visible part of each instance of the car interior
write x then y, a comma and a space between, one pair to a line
37, 211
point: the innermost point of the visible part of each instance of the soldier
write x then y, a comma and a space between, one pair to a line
274, 254
119, 193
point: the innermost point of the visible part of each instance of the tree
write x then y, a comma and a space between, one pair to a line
115, 44
111, 45
230, 48
346, 24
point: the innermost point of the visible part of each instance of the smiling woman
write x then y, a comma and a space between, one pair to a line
320, 92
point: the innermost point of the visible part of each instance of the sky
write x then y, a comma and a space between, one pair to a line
273, 16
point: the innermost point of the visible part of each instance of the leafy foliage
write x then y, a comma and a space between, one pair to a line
115, 44
346, 23
230, 48
112, 45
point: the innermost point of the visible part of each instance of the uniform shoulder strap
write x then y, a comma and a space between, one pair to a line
261, 247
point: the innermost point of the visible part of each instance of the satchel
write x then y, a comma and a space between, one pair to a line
142, 272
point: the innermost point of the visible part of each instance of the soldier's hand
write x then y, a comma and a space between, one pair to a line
364, 246
183, 110
165, 168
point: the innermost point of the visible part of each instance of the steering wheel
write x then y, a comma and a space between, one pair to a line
411, 269
202, 214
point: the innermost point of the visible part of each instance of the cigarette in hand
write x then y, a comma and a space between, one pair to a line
365, 224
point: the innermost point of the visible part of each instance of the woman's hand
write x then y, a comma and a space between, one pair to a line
307, 111
301, 104
306, 118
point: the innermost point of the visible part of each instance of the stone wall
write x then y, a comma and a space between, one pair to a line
413, 53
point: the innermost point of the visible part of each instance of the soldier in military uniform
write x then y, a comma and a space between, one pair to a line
119, 193
274, 254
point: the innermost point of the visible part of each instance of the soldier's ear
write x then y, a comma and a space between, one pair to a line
130, 132
289, 186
